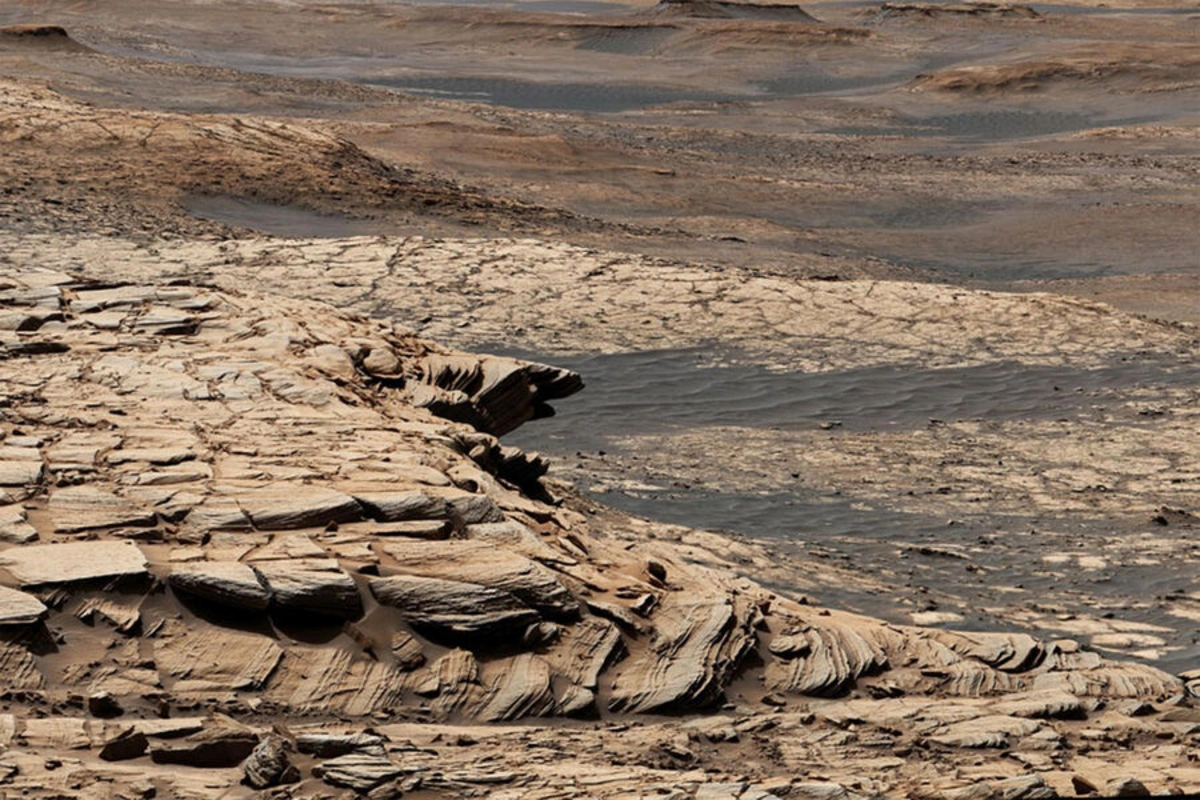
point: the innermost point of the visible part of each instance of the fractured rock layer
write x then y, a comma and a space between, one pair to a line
293, 537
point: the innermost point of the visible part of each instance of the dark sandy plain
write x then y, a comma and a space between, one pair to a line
900, 299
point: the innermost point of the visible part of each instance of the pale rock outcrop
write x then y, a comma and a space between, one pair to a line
80, 508
692, 655
227, 583
455, 609
484, 564
19, 608
73, 561
283, 506
311, 585
376, 534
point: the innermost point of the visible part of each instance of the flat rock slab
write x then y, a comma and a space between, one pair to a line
213, 748
401, 506
484, 564
73, 561
358, 771
454, 608
317, 585
20, 473
81, 508
227, 583
19, 608
287, 506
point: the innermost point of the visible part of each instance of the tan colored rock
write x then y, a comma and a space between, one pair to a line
19, 608
74, 561
215, 660
80, 508
495, 395
126, 745
995, 731
521, 689
835, 657
218, 746
314, 680
268, 765
14, 526
19, 667
694, 651
311, 585
283, 507
226, 583
484, 564
361, 772
455, 609
552, 609
68, 733
398, 506
20, 471
287, 546
407, 650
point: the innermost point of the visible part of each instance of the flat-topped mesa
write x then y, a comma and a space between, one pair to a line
331, 549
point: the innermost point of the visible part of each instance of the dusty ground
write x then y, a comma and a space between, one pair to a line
904, 296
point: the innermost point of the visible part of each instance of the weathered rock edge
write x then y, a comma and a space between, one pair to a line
275, 463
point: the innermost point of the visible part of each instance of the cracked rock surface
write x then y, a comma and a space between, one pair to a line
233, 520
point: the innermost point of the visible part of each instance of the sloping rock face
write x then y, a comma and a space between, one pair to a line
234, 513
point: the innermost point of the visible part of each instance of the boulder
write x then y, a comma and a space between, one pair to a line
1126, 787
130, 743
104, 705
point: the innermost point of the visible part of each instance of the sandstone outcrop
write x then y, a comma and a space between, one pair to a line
325, 549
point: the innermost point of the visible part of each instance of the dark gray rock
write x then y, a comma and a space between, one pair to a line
130, 743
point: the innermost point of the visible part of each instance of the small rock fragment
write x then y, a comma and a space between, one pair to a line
104, 705
268, 764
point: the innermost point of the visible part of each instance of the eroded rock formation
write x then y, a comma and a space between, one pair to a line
226, 512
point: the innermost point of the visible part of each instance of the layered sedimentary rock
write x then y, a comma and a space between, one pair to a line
234, 513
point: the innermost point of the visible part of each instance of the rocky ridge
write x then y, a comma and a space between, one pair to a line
237, 537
